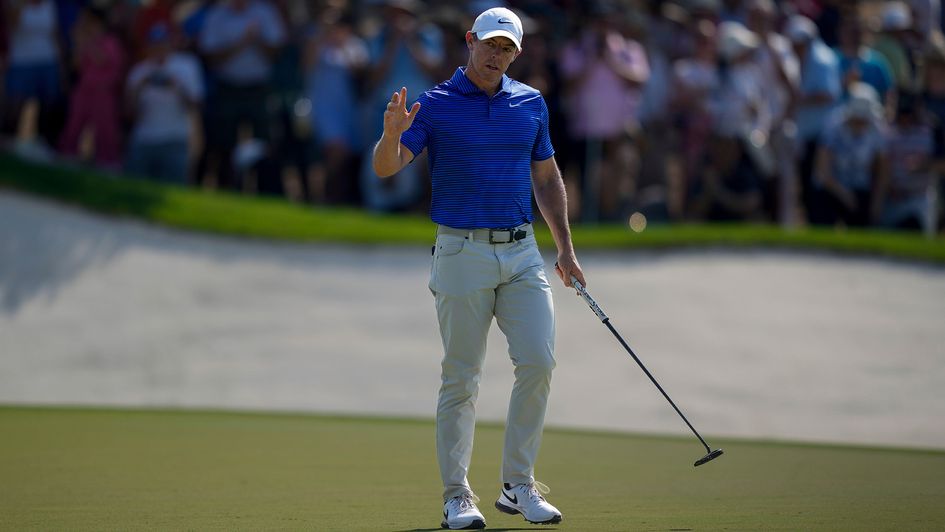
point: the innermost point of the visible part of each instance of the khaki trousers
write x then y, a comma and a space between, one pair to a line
474, 281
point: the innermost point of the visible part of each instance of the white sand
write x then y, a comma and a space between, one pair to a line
813, 347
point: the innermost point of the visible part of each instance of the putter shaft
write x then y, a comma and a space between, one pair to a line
606, 321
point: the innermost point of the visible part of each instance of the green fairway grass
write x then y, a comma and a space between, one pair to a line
79, 469
232, 214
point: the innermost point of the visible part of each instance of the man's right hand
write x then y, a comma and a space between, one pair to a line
396, 117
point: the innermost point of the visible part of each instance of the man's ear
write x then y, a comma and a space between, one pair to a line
517, 53
469, 39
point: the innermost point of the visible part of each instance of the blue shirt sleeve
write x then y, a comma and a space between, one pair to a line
542, 148
418, 135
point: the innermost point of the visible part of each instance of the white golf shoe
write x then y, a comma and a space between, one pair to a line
460, 513
528, 500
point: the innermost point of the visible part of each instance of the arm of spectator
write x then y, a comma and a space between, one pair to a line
627, 59
781, 66
823, 173
219, 53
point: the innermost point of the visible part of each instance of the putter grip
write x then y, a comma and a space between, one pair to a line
587, 298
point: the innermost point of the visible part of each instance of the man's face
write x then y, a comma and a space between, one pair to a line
490, 58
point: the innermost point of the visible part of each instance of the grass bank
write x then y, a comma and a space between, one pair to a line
80, 469
232, 214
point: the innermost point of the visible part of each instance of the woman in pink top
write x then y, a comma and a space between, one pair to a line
604, 72
95, 101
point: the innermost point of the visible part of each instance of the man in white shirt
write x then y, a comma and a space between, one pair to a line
161, 93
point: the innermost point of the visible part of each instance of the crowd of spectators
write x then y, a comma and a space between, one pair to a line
798, 111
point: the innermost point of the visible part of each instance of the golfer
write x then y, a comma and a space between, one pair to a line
489, 148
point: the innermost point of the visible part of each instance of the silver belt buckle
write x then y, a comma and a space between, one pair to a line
493, 232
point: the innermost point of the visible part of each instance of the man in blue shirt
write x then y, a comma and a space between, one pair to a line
489, 148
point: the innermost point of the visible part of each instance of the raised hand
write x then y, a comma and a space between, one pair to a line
396, 117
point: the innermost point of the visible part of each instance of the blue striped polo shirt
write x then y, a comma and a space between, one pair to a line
480, 151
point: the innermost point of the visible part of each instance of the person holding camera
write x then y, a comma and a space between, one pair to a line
161, 93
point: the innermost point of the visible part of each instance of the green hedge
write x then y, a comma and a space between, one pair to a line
233, 214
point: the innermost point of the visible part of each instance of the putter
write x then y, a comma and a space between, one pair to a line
710, 454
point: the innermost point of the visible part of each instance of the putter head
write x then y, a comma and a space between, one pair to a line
708, 458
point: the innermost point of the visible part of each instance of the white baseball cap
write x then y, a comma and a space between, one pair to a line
896, 17
499, 22
863, 102
800, 29
735, 40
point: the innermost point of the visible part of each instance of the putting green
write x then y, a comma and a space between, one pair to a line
76, 469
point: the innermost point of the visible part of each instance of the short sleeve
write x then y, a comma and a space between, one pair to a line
418, 135
542, 148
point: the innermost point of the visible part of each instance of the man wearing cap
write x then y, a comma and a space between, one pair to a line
489, 147
819, 92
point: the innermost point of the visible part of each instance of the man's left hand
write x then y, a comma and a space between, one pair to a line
567, 266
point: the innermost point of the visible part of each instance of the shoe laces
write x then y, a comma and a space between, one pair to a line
465, 501
536, 490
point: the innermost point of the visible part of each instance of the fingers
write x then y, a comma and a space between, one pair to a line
570, 270
580, 276
413, 109
403, 98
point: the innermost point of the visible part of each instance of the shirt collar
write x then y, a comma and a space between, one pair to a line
466, 86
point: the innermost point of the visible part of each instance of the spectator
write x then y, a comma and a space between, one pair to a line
932, 93
334, 60
603, 72
895, 26
405, 53
667, 39
780, 75
33, 62
927, 15
852, 167
911, 195
827, 17
730, 187
240, 39
290, 158
163, 92
95, 103
819, 92
859, 62
695, 80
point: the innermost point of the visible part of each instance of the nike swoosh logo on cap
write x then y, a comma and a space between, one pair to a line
505, 21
